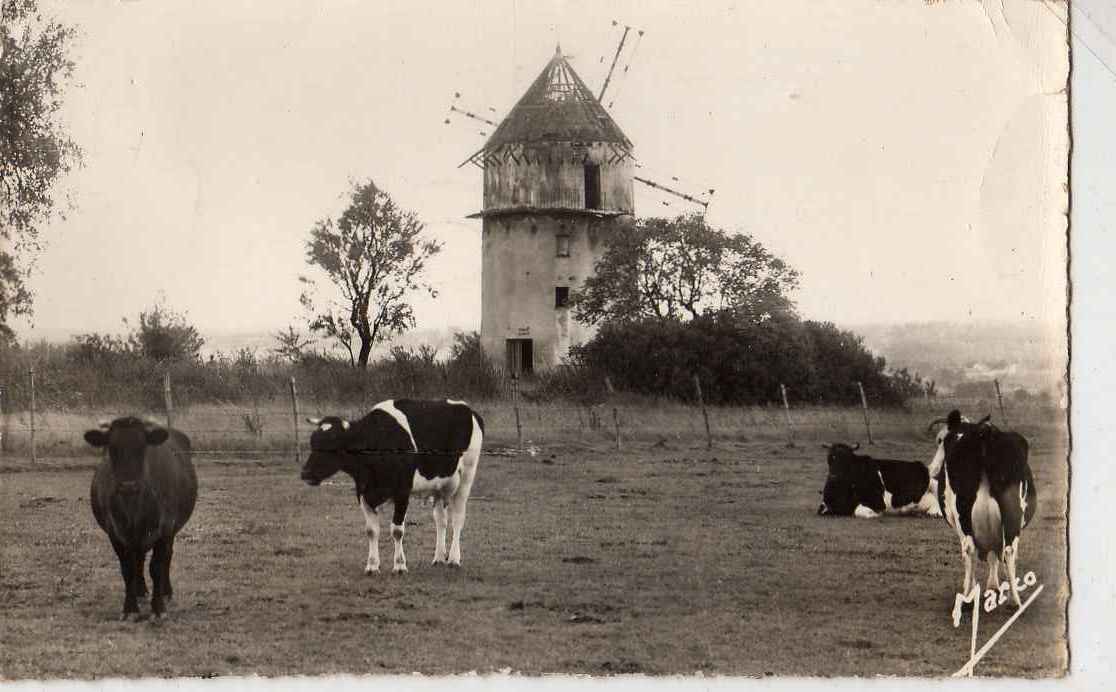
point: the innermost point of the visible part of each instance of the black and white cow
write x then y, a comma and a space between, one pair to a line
403, 448
862, 486
987, 494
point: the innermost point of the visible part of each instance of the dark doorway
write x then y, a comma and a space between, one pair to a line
561, 296
592, 186
520, 357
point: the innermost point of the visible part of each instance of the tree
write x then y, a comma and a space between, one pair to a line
679, 269
163, 335
374, 255
291, 345
35, 151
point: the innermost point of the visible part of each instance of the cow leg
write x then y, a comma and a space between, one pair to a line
159, 564
457, 522
128, 566
1011, 553
372, 530
141, 584
440, 520
993, 581
398, 521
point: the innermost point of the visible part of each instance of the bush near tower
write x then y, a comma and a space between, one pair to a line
675, 298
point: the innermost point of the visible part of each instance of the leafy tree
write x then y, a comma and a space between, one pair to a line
291, 345
680, 269
164, 335
35, 151
374, 256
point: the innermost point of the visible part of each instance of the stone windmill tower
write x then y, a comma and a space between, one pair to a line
558, 176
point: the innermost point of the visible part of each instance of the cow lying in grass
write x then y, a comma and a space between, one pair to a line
403, 448
859, 485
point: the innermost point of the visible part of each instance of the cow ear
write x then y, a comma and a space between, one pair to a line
157, 436
97, 438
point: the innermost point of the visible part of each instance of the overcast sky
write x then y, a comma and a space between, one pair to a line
907, 159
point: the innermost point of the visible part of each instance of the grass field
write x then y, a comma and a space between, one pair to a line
662, 558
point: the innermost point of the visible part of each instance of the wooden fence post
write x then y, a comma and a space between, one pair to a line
294, 411
515, 407
167, 401
615, 412
34, 455
864, 406
3, 424
786, 411
1000, 399
704, 413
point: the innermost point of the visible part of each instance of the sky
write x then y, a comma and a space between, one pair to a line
908, 159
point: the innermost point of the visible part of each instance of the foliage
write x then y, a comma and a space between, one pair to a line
165, 335
35, 151
738, 360
290, 345
682, 269
374, 256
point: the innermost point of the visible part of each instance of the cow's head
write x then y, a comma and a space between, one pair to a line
127, 440
846, 472
327, 447
953, 428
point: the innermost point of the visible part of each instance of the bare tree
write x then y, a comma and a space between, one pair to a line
374, 256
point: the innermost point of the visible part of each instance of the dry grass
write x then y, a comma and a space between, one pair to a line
661, 558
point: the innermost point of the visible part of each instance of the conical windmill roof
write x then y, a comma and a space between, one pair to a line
558, 107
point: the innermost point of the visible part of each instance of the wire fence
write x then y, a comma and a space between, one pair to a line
275, 426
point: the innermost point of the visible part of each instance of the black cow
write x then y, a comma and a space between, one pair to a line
403, 448
859, 485
142, 496
987, 494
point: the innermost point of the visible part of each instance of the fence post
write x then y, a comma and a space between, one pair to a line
294, 411
515, 406
786, 411
864, 406
3, 424
167, 402
34, 455
615, 412
704, 413
1000, 399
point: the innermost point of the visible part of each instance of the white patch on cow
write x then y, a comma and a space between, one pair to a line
939, 455
439, 486
441, 522
455, 402
388, 407
988, 530
863, 512
952, 515
928, 503
372, 530
886, 495
1022, 504
326, 427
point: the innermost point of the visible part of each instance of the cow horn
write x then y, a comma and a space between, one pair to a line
936, 421
314, 421
987, 417
104, 424
855, 446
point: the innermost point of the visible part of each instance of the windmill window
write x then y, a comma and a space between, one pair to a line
561, 296
592, 186
563, 245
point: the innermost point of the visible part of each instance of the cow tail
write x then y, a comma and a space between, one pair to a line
480, 421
